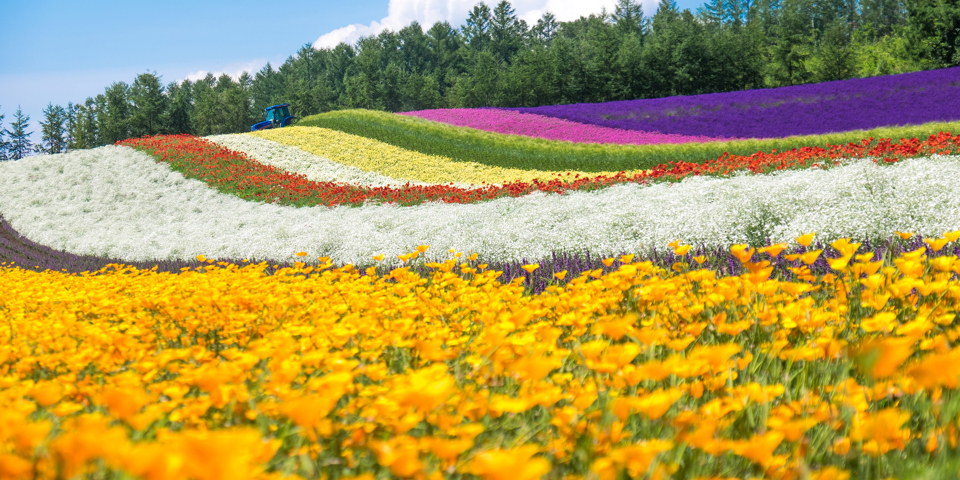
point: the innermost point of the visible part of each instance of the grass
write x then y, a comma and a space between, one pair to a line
513, 151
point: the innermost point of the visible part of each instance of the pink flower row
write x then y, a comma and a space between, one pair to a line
539, 126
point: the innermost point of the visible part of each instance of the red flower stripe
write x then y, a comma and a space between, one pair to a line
233, 172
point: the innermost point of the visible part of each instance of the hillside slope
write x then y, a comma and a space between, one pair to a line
514, 151
114, 201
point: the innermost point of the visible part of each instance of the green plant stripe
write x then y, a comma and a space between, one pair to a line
514, 151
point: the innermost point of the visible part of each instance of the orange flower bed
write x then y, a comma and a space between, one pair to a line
321, 372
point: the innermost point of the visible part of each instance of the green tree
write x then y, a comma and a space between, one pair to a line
630, 69
305, 83
599, 44
179, 111
71, 124
713, 12
53, 130
734, 52
3, 143
887, 55
571, 77
147, 105
882, 16
545, 29
792, 43
506, 32
531, 80
339, 67
235, 105
206, 107
388, 88
676, 53
19, 144
835, 58
628, 15
221, 106
419, 92
414, 50
933, 31
113, 114
362, 88
83, 131
443, 44
476, 32
479, 86
765, 14
267, 88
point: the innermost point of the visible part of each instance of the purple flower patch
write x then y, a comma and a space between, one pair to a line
539, 126
840, 106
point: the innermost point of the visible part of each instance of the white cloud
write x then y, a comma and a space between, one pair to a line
234, 70
427, 12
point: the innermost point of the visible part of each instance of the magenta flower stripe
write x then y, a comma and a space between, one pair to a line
539, 126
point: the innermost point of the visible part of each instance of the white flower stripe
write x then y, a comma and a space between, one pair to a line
115, 201
295, 160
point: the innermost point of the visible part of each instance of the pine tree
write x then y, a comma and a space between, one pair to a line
113, 114
84, 133
413, 49
72, 112
233, 104
3, 143
52, 130
629, 17
205, 118
506, 32
20, 144
443, 43
883, 15
148, 104
836, 59
477, 30
178, 115
546, 28
713, 12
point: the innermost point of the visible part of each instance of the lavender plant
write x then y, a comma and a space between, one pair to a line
840, 106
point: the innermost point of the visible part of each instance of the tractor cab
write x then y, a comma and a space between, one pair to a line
276, 116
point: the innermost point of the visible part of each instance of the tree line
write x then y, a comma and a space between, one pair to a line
497, 59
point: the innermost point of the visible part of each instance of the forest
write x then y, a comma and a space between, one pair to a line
495, 59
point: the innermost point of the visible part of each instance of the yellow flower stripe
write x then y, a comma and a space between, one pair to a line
395, 162
228, 372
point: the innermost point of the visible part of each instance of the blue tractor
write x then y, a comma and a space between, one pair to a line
276, 116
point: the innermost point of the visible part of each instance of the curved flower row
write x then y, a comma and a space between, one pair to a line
234, 172
912, 98
313, 167
550, 128
319, 372
395, 162
117, 202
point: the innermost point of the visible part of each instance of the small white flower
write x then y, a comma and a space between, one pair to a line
117, 202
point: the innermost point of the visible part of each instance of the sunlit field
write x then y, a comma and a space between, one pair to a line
463, 296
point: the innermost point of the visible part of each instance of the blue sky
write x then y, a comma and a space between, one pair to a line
61, 51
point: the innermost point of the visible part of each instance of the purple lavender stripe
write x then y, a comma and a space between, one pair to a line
30, 255
840, 106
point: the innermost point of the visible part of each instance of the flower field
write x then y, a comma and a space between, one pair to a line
372, 155
642, 371
841, 106
313, 167
539, 126
463, 144
119, 203
368, 296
